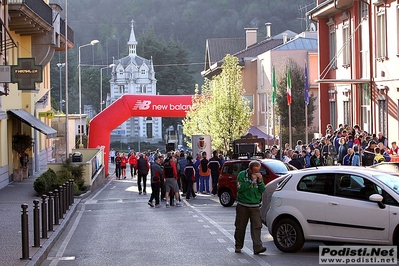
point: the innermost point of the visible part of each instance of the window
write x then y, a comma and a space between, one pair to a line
250, 98
333, 112
262, 102
382, 115
355, 187
143, 89
121, 88
346, 56
347, 112
319, 183
333, 43
381, 35
235, 168
149, 128
143, 72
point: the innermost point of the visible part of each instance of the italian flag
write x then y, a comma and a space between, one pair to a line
289, 98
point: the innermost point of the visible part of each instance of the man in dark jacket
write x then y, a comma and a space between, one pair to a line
296, 161
181, 164
156, 176
368, 154
142, 172
215, 164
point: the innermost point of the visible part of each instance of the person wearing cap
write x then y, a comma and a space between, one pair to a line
368, 154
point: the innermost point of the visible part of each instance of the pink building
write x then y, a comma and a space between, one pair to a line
358, 80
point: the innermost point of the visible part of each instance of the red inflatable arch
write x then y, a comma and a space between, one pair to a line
133, 105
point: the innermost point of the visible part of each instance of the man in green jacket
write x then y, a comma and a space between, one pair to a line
250, 187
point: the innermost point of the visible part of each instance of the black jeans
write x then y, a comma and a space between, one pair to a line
132, 170
215, 181
118, 171
155, 192
190, 190
144, 178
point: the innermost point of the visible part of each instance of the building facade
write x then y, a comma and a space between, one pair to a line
133, 74
357, 79
28, 31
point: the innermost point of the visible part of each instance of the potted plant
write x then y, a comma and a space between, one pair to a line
21, 143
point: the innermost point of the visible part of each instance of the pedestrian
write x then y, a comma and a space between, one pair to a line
197, 175
356, 156
316, 159
118, 169
368, 154
347, 160
124, 162
170, 178
181, 164
297, 161
204, 173
156, 176
250, 187
112, 155
189, 173
215, 164
142, 172
132, 163
378, 158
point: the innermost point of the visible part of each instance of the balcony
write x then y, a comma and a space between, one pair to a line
30, 17
71, 35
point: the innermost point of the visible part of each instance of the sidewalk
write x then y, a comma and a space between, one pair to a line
11, 199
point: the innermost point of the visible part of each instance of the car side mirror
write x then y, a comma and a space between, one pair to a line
377, 198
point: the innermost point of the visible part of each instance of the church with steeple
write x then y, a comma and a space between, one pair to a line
134, 74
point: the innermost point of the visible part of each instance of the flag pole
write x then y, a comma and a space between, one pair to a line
306, 98
289, 124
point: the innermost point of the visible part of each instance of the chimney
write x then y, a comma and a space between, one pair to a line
268, 30
251, 36
285, 37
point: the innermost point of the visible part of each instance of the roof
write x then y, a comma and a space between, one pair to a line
136, 60
259, 48
299, 44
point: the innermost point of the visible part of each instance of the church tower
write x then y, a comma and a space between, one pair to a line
134, 74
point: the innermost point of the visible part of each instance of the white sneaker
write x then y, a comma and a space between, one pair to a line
167, 205
178, 204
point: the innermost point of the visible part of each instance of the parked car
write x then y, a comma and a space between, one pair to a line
387, 166
344, 204
267, 196
227, 186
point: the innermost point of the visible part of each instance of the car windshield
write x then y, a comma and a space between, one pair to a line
278, 167
390, 180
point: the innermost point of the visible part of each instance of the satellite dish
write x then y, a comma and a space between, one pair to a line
312, 27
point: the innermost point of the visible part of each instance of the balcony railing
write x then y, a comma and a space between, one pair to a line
71, 34
40, 7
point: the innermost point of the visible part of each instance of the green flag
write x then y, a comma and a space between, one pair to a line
274, 86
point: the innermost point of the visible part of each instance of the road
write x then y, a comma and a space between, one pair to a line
115, 226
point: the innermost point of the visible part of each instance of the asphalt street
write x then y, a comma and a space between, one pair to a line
116, 226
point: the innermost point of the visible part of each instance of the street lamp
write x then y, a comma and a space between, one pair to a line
93, 42
101, 85
60, 66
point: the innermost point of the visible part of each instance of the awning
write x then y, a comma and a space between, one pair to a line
32, 121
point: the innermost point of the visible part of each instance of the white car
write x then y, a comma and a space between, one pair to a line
342, 204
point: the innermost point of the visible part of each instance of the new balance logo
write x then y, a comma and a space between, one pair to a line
142, 105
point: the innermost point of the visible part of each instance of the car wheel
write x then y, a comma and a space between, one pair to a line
226, 198
288, 235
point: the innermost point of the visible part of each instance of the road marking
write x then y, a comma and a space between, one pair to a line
206, 226
212, 232
200, 220
68, 238
228, 235
243, 261
221, 240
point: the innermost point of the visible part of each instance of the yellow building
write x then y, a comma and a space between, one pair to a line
31, 32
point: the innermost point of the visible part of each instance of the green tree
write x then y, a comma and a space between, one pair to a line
221, 110
298, 102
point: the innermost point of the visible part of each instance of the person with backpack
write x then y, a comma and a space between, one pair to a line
189, 173
181, 165
170, 178
204, 173
156, 176
215, 164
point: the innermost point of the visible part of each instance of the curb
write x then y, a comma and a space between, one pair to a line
43, 252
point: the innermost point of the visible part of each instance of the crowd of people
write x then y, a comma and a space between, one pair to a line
345, 145
171, 173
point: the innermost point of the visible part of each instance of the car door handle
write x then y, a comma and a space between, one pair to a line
332, 203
